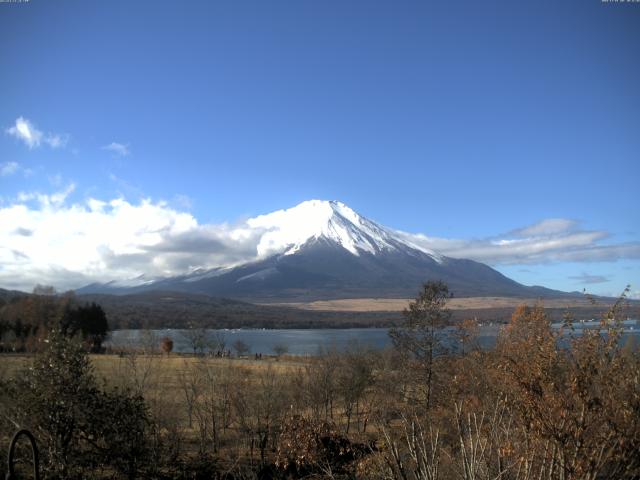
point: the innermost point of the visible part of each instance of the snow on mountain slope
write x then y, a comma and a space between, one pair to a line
324, 250
287, 230
133, 282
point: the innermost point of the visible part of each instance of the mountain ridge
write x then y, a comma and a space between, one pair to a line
324, 249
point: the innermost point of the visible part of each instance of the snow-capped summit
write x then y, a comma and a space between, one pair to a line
323, 249
286, 231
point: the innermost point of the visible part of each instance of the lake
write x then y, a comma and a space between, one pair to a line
305, 341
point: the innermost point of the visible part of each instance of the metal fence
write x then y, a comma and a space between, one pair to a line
11, 457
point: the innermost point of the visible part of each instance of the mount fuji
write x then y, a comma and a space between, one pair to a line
325, 250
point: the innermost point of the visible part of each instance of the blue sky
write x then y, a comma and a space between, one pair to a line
466, 121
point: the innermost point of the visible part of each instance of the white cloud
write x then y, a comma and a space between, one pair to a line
57, 140
548, 241
118, 149
126, 188
550, 226
586, 278
25, 131
8, 168
183, 201
45, 238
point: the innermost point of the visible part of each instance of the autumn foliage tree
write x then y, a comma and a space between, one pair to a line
26, 320
577, 397
166, 345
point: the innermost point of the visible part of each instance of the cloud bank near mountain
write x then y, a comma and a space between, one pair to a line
535, 244
48, 239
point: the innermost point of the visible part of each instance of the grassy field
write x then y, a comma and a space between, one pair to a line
172, 366
398, 304
240, 415
186, 395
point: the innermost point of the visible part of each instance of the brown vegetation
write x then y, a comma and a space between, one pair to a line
26, 320
544, 404
166, 345
463, 303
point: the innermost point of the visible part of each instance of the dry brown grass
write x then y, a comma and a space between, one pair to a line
161, 380
398, 304
167, 369
11, 363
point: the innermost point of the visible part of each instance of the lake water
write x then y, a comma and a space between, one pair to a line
305, 342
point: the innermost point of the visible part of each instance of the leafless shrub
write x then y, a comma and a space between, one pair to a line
413, 450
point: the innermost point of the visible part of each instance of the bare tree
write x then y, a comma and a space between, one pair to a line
466, 333
217, 342
148, 341
196, 338
190, 385
280, 349
355, 376
260, 410
413, 452
241, 348
321, 385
